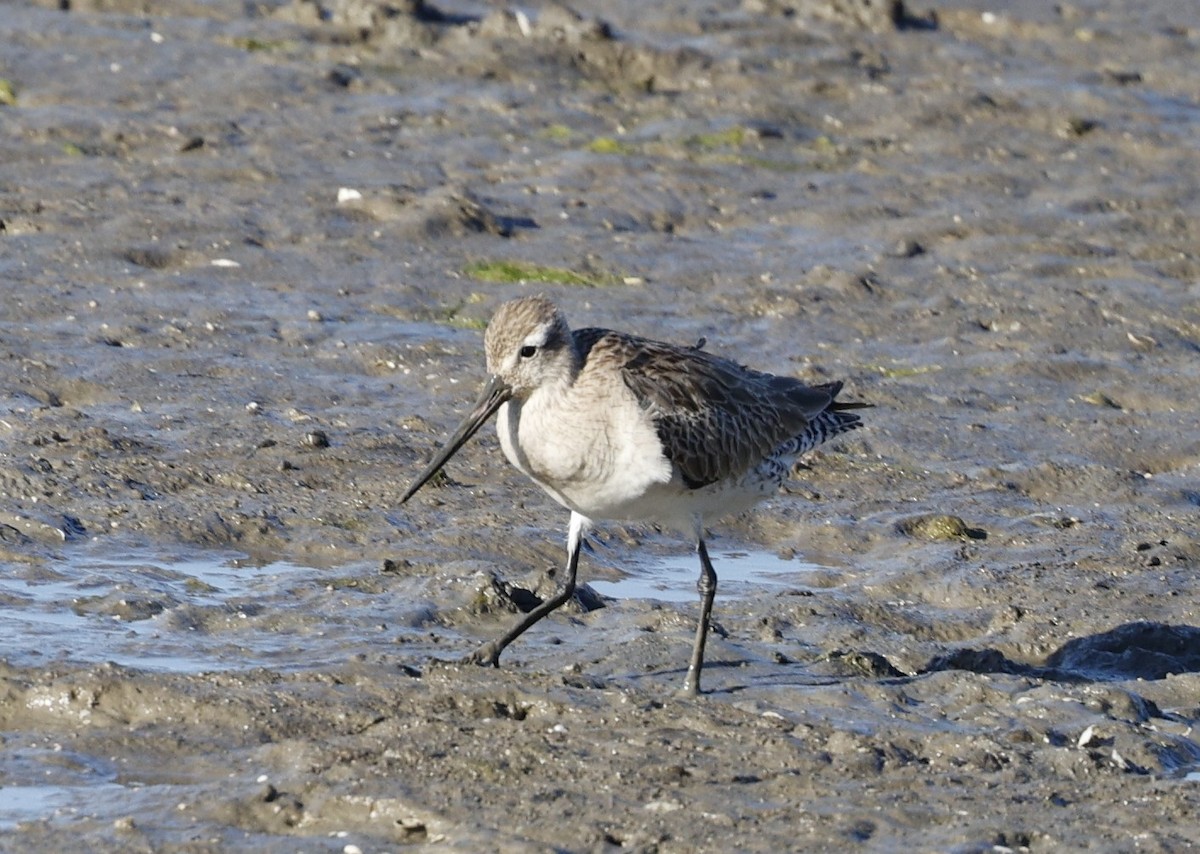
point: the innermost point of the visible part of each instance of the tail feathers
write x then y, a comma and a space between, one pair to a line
821, 429
837, 418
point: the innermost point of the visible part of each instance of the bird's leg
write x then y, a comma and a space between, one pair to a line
707, 585
489, 653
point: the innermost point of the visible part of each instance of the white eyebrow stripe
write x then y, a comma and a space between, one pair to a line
537, 338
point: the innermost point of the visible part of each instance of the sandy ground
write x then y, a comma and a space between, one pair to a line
246, 251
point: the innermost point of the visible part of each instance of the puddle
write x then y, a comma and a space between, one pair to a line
55, 788
739, 573
183, 614
42, 784
19, 804
193, 612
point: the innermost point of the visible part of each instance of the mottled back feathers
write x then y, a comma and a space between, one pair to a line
715, 418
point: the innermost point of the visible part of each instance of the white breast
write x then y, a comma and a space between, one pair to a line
603, 462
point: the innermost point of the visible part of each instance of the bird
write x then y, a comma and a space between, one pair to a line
614, 426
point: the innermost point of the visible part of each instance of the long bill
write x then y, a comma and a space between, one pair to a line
493, 396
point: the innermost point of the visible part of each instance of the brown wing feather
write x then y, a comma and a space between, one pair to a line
716, 419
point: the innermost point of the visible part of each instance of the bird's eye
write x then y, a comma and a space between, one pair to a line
528, 351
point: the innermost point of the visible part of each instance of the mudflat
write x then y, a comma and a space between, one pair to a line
246, 255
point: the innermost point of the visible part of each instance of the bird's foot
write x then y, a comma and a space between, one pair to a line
485, 655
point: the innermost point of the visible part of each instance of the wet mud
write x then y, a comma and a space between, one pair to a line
246, 252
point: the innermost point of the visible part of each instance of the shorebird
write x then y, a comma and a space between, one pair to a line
614, 426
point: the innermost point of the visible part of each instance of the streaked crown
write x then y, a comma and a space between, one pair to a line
529, 344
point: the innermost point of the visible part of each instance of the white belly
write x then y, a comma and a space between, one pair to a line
612, 467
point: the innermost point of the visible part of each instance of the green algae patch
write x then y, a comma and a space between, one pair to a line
608, 145
521, 272
455, 315
257, 45
463, 321
558, 133
733, 137
892, 372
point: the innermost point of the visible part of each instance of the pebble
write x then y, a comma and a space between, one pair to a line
316, 439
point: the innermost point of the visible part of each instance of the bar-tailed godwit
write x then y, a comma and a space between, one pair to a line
614, 426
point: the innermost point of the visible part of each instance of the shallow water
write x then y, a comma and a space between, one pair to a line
49, 783
185, 614
739, 573
197, 611
56, 803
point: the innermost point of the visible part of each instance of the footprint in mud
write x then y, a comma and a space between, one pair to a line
1133, 651
1141, 650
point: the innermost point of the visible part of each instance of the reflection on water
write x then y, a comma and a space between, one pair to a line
739, 573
